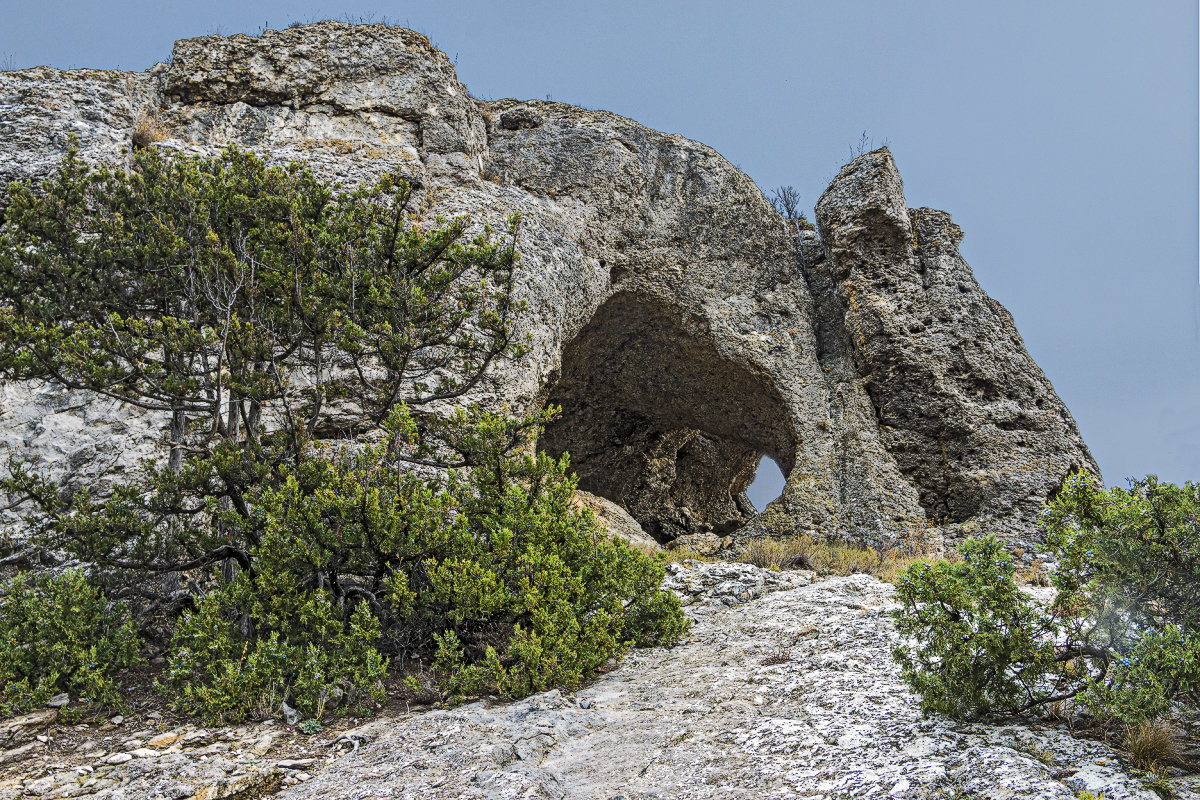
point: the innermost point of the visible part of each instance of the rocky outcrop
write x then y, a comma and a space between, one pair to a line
616, 520
969, 418
94, 441
784, 690
670, 314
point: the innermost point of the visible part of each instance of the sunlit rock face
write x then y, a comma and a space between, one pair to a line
669, 312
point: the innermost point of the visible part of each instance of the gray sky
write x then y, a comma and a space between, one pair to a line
1062, 136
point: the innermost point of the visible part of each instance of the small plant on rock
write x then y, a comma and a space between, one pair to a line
148, 129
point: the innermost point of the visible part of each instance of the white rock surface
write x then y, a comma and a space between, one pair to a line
792, 694
784, 689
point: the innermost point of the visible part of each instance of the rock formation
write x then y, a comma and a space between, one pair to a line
685, 334
670, 313
969, 418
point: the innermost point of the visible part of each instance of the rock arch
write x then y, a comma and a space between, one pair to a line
658, 420
868, 363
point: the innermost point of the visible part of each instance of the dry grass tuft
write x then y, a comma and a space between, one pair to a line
777, 656
824, 557
833, 558
777, 553
678, 555
147, 130
1035, 574
1153, 745
1061, 710
673, 555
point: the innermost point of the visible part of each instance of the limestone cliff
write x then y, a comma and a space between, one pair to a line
670, 314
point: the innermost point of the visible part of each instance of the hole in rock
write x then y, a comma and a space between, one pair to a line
767, 484
658, 421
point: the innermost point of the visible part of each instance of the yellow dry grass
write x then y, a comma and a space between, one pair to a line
1035, 574
148, 129
677, 555
833, 557
1153, 745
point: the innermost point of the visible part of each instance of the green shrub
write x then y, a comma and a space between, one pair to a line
59, 634
246, 304
491, 573
288, 647
1122, 636
249, 304
981, 645
538, 594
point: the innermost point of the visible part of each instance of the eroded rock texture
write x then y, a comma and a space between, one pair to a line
682, 330
969, 418
639, 432
783, 689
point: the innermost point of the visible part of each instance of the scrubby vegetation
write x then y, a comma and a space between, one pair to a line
59, 634
289, 555
493, 569
1121, 639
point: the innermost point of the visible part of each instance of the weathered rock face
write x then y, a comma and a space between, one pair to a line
669, 312
968, 416
639, 432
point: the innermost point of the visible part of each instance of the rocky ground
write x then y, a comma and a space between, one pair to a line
783, 689
147, 757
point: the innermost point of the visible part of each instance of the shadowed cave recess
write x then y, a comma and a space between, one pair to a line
656, 420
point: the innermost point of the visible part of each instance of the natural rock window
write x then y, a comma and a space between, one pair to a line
655, 419
767, 484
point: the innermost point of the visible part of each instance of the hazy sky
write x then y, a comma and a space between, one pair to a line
1062, 136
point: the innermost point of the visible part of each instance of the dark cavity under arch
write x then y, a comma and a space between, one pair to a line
657, 420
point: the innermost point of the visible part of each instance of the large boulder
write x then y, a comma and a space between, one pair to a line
669, 312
